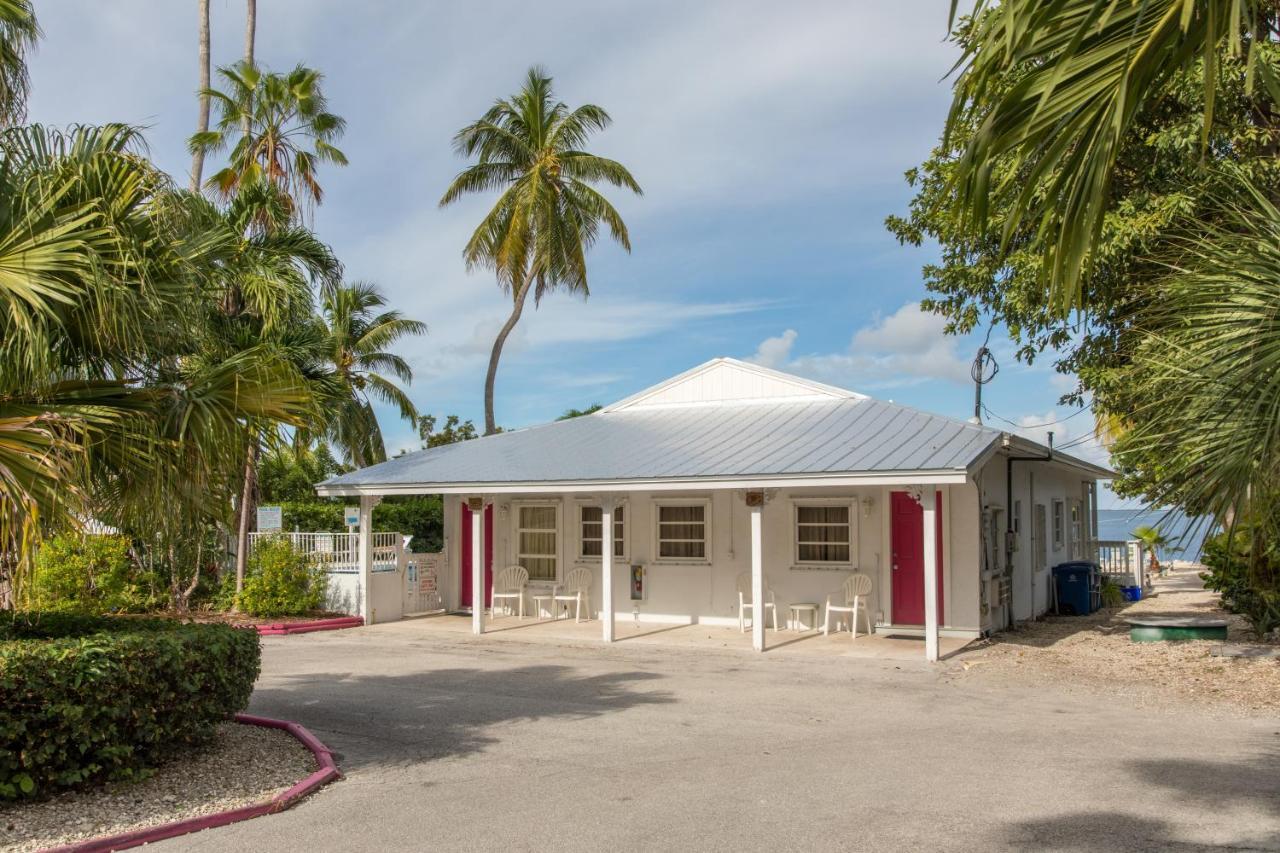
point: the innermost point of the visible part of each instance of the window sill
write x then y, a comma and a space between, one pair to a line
824, 567
686, 563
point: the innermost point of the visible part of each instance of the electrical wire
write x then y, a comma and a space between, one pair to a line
1081, 410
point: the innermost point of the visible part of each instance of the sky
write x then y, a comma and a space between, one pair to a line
770, 140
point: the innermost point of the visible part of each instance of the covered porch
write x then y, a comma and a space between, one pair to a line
685, 562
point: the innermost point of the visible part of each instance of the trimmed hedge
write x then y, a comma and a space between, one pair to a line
91, 698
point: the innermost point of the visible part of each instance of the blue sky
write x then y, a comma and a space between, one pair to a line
770, 140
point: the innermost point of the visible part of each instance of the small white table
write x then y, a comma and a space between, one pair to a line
809, 607
545, 596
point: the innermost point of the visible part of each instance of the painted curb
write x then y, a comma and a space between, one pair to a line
325, 773
280, 629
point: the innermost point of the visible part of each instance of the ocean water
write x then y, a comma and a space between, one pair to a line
1186, 533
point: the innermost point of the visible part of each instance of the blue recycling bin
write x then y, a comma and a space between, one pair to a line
1075, 584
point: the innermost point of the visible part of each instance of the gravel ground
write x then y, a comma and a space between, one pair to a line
1095, 653
244, 765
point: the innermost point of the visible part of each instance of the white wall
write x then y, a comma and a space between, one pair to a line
707, 593
1034, 483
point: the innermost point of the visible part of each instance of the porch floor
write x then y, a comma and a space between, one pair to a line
882, 646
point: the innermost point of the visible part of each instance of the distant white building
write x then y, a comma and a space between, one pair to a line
731, 470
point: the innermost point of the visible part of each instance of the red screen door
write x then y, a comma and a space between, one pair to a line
464, 597
907, 534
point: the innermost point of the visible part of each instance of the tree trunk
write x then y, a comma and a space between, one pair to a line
490, 423
250, 28
202, 123
246, 506
250, 33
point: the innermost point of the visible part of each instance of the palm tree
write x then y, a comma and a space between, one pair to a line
19, 33
548, 213
355, 347
109, 403
202, 121
1091, 66
1153, 540
282, 129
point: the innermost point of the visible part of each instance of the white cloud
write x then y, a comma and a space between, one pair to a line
1074, 433
905, 348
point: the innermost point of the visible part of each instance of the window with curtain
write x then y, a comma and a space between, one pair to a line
593, 532
682, 531
537, 540
824, 534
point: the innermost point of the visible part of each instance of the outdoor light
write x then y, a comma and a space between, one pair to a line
867, 504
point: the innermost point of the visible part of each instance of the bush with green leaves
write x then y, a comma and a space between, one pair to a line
89, 574
1111, 593
92, 698
1242, 567
281, 580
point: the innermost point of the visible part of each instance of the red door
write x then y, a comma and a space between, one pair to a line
464, 597
907, 534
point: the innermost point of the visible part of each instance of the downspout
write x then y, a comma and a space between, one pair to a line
1009, 534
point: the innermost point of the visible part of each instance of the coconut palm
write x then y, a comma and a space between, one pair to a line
548, 213
357, 335
202, 119
282, 132
19, 33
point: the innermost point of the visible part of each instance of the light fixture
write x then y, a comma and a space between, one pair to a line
868, 503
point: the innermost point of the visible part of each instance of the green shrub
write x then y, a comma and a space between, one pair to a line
1111, 593
1233, 572
88, 574
89, 698
281, 581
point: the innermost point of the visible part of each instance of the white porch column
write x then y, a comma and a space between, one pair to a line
929, 521
606, 568
476, 505
364, 551
755, 506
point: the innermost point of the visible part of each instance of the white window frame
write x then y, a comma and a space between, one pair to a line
849, 503
1017, 518
1058, 521
518, 558
626, 528
708, 537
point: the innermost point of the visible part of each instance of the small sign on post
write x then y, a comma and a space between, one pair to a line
351, 515
270, 518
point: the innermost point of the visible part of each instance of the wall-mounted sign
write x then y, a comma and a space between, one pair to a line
351, 516
270, 518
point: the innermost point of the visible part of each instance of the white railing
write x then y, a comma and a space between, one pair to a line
1122, 560
340, 552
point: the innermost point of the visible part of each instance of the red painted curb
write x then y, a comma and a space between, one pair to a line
325, 773
278, 629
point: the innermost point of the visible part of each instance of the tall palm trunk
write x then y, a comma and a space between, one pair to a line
202, 123
522, 292
250, 34
246, 506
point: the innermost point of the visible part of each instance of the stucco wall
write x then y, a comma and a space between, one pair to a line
707, 593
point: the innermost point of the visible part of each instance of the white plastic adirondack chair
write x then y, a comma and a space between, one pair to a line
509, 584
577, 591
747, 606
854, 594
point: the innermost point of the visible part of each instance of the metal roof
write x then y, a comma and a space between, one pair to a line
849, 436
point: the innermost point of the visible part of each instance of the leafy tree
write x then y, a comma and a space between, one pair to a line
528, 147
454, 430
282, 129
577, 413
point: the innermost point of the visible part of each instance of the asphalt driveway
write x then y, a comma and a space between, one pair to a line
464, 744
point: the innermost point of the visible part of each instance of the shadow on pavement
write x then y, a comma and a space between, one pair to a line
392, 720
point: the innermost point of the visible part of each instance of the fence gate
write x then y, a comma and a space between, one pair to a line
422, 590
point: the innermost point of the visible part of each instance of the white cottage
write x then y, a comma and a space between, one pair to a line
732, 476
